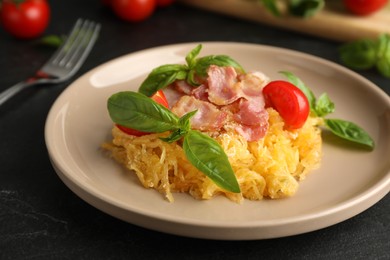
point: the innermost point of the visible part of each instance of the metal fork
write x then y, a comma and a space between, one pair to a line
65, 62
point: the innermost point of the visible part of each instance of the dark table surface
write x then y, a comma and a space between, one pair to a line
40, 218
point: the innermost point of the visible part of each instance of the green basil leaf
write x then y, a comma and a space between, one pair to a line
190, 58
324, 105
350, 131
137, 111
52, 40
184, 121
191, 78
271, 6
209, 157
359, 55
305, 8
299, 83
174, 136
202, 64
383, 62
161, 77
185, 126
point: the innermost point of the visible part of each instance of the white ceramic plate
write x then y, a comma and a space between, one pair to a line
349, 181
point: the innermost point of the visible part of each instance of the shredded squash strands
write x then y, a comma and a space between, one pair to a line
269, 168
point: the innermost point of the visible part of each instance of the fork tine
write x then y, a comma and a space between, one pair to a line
82, 44
76, 48
63, 48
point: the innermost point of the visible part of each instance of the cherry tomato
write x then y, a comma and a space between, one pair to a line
160, 98
289, 101
133, 10
27, 19
164, 3
364, 7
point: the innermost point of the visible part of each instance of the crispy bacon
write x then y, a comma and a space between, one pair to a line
208, 117
251, 84
251, 112
225, 99
252, 133
183, 87
201, 92
222, 88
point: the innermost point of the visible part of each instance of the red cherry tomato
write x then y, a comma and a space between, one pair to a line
364, 7
164, 3
160, 98
289, 101
25, 20
133, 10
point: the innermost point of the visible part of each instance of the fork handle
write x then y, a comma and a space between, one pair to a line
10, 92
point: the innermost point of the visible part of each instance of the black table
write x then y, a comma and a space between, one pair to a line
40, 218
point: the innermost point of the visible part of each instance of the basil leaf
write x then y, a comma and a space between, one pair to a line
299, 83
271, 6
360, 55
161, 77
324, 105
383, 62
184, 121
185, 126
52, 40
190, 58
137, 111
191, 78
202, 64
209, 157
305, 8
350, 131
174, 136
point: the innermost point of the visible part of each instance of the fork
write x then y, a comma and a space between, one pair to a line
65, 62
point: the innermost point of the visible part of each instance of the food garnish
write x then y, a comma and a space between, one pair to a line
323, 106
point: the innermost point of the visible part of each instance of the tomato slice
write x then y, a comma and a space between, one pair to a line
289, 101
160, 98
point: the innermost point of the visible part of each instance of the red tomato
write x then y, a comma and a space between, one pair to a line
160, 98
133, 10
364, 7
289, 101
25, 20
164, 3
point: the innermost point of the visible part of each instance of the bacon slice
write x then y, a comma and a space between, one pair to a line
225, 100
222, 85
183, 87
201, 92
208, 117
252, 83
252, 133
251, 112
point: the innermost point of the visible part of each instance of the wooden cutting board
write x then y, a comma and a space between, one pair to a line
333, 22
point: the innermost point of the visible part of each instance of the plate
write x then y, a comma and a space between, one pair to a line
349, 181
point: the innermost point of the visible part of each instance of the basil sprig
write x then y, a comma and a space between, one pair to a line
323, 106
300, 8
164, 75
365, 54
137, 111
